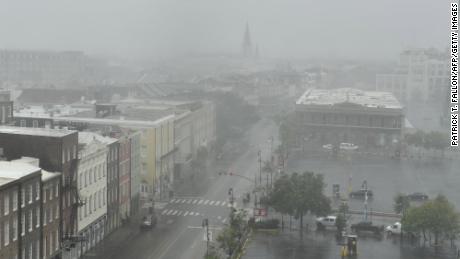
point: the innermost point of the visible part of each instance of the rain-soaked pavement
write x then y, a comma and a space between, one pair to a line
323, 245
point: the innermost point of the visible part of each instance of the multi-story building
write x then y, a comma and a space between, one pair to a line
193, 128
92, 185
135, 161
41, 66
20, 213
51, 210
365, 118
422, 74
124, 194
6, 107
57, 151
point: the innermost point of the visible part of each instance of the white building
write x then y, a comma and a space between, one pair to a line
421, 73
92, 185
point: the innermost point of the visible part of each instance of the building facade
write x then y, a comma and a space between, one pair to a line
344, 115
57, 151
92, 185
6, 108
20, 219
124, 194
51, 208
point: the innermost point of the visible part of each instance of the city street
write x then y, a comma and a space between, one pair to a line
179, 233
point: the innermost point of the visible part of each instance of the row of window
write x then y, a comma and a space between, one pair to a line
91, 176
371, 121
92, 203
69, 153
50, 243
29, 193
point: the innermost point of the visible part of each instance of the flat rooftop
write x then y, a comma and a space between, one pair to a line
57, 133
370, 99
13, 170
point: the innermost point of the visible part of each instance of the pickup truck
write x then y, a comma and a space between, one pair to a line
367, 226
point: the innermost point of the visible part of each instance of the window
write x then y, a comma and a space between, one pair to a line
56, 192
57, 242
35, 124
63, 159
30, 221
15, 228
56, 211
68, 155
31, 193
23, 197
51, 211
45, 217
23, 224
86, 207
6, 233
94, 202
37, 217
15, 200
22, 123
50, 193
37, 191
90, 204
6, 204
75, 152
30, 250
37, 248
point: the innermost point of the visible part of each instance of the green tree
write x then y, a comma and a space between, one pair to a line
227, 241
300, 194
401, 203
437, 218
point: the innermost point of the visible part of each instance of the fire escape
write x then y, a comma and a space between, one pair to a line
71, 238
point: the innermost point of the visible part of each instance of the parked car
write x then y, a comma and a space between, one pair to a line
348, 146
418, 196
361, 194
148, 222
328, 146
394, 229
367, 226
326, 222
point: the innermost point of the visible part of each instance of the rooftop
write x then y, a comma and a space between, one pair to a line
46, 176
57, 133
85, 137
370, 99
13, 170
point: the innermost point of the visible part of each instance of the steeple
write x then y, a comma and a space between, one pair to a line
247, 45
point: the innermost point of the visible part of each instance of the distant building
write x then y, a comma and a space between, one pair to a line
6, 107
422, 75
20, 212
365, 118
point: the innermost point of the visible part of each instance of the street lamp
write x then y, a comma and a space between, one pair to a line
205, 225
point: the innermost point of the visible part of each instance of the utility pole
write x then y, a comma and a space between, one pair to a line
364, 186
259, 154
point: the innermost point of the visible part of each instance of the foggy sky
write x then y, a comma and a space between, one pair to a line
171, 28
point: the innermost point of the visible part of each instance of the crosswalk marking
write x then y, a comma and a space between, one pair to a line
175, 212
211, 203
164, 212
225, 220
173, 201
195, 201
217, 203
170, 212
189, 201
206, 202
201, 201
180, 213
186, 213
184, 201
224, 203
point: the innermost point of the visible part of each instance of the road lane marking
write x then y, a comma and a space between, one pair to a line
171, 244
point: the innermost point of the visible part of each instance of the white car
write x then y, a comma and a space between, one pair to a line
348, 146
326, 222
328, 146
394, 229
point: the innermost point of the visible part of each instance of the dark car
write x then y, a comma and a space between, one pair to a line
367, 226
418, 196
148, 222
361, 194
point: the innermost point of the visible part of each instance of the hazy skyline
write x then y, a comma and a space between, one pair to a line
171, 28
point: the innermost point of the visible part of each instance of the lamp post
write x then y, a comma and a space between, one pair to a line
205, 225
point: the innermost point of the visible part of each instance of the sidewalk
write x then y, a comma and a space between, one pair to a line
114, 239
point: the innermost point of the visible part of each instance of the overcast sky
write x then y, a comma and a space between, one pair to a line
282, 28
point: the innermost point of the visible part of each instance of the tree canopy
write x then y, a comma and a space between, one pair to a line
299, 194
